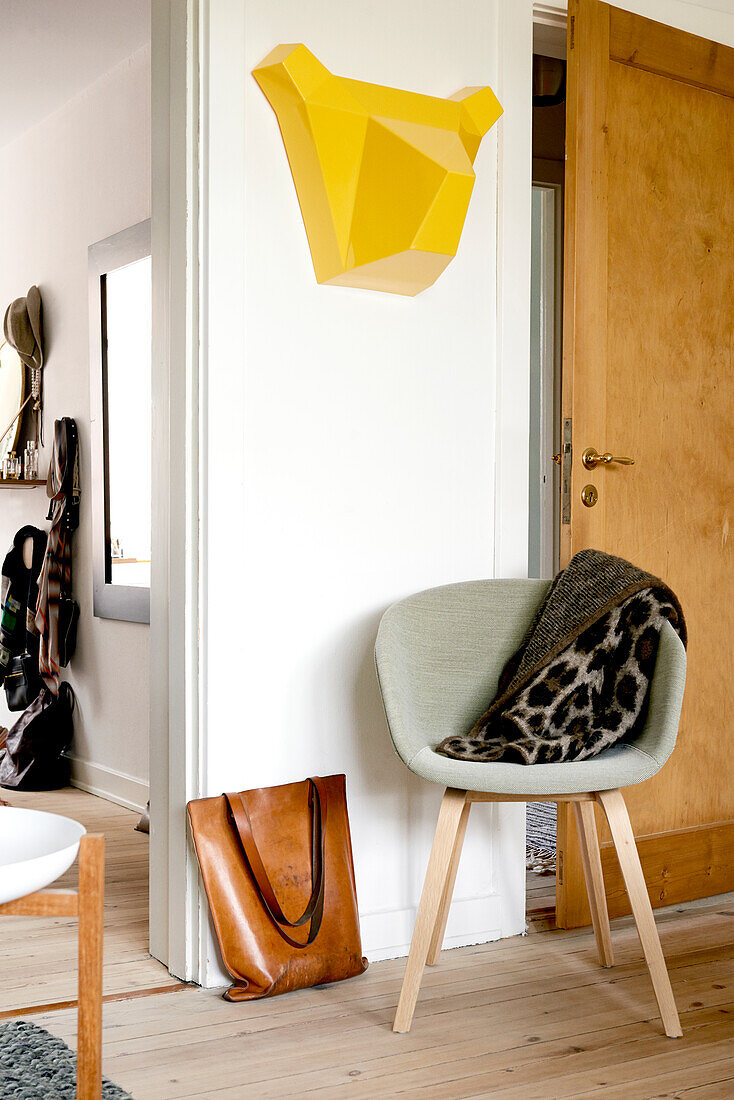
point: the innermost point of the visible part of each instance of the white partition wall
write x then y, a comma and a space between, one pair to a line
352, 452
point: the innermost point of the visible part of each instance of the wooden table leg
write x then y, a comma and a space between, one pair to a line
91, 933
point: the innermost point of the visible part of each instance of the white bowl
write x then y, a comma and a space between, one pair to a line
35, 849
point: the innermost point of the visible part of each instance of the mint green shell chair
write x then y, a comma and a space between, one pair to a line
439, 655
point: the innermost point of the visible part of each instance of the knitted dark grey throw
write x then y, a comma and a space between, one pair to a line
579, 682
35, 1065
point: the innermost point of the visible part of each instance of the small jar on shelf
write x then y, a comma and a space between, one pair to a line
30, 461
11, 467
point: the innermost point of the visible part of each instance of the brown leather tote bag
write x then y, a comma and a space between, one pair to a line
278, 873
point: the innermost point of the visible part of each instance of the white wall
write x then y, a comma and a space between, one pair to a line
77, 177
352, 455
714, 20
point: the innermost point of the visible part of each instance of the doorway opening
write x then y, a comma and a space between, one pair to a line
85, 244
549, 136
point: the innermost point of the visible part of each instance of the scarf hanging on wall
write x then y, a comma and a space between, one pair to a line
57, 613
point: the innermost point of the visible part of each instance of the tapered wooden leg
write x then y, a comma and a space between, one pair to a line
634, 880
91, 932
439, 931
439, 864
591, 859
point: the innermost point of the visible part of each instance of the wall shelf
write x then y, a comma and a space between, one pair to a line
19, 483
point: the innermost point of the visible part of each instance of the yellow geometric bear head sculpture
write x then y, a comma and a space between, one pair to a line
383, 176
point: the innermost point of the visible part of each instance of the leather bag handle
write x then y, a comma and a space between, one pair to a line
314, 911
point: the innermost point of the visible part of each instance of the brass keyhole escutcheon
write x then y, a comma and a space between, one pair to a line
589, 495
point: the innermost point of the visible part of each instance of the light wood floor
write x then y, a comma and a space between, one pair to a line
530, 1018
38, 961
540, 892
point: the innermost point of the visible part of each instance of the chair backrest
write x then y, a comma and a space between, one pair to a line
439, 655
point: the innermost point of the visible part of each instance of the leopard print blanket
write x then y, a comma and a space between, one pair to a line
586, 683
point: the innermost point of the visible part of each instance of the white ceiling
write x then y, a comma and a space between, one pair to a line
51, 49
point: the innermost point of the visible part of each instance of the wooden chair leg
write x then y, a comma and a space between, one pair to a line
591, 860
634, 880
439, 931
439, 866
91, 932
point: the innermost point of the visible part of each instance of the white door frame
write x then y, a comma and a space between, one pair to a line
176, 600
545, 381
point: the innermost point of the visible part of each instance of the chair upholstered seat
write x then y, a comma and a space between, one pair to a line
619, 766
439, 655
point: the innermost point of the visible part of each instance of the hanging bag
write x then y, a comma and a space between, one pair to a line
19, 638
33, 757
278, 872
22, 683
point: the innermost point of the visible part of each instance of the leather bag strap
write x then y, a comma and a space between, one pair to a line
314, 911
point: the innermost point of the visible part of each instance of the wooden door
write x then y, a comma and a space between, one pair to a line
649, 373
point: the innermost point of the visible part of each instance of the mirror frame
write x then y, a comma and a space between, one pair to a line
111, 601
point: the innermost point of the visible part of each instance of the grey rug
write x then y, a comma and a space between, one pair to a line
35, 1065
540, 841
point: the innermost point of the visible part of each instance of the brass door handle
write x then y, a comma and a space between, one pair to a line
591, 458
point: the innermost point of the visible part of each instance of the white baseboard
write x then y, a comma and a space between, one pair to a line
124, 790
386, 935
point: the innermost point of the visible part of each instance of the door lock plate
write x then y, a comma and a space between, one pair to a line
566, 458
589, 495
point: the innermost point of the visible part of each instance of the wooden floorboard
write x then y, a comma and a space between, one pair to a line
38, 963
540, 894
529, 1018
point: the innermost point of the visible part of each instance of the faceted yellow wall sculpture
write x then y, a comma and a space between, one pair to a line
383, 176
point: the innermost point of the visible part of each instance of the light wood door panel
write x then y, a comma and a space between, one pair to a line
649, 372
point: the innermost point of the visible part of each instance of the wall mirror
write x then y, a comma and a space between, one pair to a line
120, 359
12, 396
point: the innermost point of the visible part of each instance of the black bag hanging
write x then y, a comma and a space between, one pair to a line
19, 639
22, 682
33, 757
